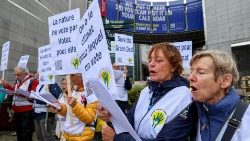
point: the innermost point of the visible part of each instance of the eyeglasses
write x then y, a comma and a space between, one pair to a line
17, 74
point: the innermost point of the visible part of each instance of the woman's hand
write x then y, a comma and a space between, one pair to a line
103, 113
108, 133
71, 101
54, 109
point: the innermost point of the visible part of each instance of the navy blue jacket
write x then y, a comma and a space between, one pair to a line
55, 90
177, 130
212, 117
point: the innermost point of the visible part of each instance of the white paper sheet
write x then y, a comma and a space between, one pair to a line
49, 97
22, 92
6, 91
37, 96
118, 119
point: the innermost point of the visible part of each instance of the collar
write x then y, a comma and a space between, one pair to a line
225, 105
168, 84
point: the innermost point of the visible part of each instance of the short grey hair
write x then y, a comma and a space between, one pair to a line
24, 70
223, 63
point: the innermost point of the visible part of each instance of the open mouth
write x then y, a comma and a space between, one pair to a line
193, 89
152, 72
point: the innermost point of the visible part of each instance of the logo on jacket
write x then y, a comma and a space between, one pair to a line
158, 118
105, 76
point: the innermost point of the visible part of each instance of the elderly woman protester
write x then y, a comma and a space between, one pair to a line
79, 122
164, 110
213, 73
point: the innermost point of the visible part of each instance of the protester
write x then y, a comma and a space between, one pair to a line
44, 119
61, 119
22, 106
123, 84
213, 74
79, 123
164, 110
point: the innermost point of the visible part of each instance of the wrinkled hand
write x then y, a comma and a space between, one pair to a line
3, 82
103, 113
54, 109
108, 133
71, 101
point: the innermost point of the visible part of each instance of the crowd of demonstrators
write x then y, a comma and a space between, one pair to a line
123, 84
164, 110
79, 111
213, 73
44, 119
22, 106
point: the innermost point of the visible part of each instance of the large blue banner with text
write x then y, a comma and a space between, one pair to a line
159, 17
143, 17
176, 16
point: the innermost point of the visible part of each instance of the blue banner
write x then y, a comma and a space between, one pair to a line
112, 9
176, 16
159, 17
143, 17
194, 15
126, 10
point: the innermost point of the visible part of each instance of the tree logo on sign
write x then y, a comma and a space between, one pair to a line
50, 76
75, 62
130, 60
105, 76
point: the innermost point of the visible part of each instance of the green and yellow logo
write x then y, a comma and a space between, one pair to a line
105, 76
75, 62
130, 60
158, 118
50, 76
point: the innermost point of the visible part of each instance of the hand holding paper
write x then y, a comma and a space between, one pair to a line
47, 98
118, 119
6, 91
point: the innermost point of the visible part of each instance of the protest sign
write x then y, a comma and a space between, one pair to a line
45, 65
185, 49
62, 33
23, 61
5, 56
124, 50
92, 48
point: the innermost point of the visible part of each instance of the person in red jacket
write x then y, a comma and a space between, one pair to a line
22, 106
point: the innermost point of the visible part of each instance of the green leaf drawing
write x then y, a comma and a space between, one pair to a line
106, 78
75, 62
130, 60
50, 76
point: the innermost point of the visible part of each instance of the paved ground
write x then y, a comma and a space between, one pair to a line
6, 136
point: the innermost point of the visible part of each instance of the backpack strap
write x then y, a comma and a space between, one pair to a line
235, 121
41, 88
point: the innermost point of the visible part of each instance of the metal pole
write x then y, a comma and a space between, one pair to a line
69, 4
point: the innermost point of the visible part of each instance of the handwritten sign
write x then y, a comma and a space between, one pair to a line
45, 65
23, 61
92, 48
185, 49
5, 56
124, 54
62, 33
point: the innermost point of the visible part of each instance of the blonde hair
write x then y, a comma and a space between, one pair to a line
223, 63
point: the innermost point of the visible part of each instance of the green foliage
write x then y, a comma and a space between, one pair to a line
134, 93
